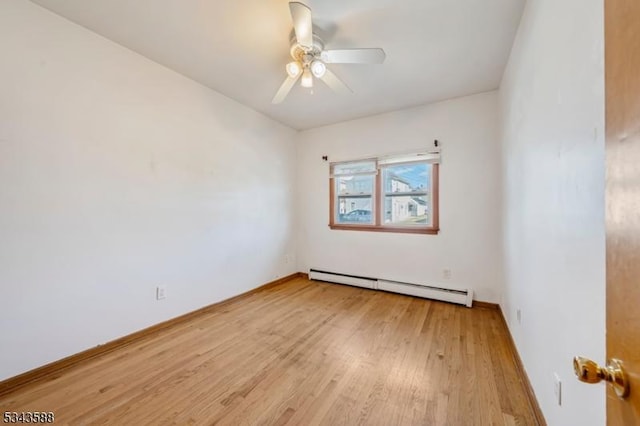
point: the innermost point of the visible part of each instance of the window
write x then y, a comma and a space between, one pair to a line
389, 194
354, 188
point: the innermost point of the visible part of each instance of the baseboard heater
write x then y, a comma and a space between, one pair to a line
448, 293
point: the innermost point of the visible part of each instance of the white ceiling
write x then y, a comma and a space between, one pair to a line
436, 49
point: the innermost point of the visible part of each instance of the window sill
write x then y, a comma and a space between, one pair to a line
394, 229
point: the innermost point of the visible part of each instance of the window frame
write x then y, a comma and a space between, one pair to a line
377, 202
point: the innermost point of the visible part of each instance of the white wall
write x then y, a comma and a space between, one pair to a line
552, 109
117, 175
469, 241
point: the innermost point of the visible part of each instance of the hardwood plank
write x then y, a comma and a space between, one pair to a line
301, 352
485, 305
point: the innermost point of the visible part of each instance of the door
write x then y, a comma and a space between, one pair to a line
622, 86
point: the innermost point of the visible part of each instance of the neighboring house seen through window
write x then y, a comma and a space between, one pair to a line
388, 194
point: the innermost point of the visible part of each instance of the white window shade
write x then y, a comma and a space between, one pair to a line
432, 156
353, 168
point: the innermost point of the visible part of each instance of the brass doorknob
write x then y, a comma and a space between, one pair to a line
613, 373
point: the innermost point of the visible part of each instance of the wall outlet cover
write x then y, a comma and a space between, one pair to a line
557, 388
161, 292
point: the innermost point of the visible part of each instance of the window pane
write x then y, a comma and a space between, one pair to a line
407, 210
354, 210
352, 168
354, 185
415, 177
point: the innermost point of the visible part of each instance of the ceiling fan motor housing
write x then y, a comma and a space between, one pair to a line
304, 54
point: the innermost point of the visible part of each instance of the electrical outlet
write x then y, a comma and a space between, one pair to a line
446, 274
557, 388
519, 316
161, 292
287, 258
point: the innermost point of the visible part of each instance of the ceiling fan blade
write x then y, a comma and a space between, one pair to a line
284, 90
302, 24
354, 56
335, 83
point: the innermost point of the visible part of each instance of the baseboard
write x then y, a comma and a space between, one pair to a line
50, 370
531, 396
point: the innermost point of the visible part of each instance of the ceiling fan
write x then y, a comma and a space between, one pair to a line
310, 59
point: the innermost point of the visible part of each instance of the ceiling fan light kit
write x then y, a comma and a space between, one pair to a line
294, 69
318, 68
310, 59
307, 79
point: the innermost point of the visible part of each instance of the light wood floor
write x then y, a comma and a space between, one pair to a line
301, 353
